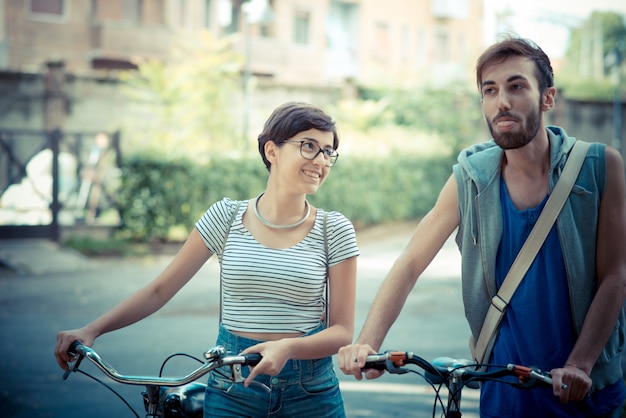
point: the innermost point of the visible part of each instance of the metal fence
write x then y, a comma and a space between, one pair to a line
54, 178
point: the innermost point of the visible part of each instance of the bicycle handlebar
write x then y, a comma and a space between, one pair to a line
215, 357
442, 369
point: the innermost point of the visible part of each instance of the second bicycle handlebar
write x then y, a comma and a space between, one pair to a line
442, 369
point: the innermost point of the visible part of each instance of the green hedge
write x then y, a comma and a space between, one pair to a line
157, 195
371, 191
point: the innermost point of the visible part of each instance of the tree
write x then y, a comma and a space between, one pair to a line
593, 42
183, 107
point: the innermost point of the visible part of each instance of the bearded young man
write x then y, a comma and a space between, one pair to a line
567, 314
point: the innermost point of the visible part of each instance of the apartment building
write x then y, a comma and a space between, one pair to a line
298, 42
60, 60
315, 50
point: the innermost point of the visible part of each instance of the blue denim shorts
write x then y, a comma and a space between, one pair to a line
304, 388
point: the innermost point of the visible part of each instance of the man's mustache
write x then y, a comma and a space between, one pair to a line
507, 115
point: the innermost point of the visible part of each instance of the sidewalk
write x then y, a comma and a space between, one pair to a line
45, 288
38, 256
41, 256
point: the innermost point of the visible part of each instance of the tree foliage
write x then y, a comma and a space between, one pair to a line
182, 107
596, 51
452, 113
594, 42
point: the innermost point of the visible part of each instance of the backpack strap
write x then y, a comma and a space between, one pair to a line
327, 301
230, 224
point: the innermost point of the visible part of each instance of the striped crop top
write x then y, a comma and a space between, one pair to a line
273, 290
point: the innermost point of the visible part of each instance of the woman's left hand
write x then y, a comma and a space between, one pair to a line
275, 355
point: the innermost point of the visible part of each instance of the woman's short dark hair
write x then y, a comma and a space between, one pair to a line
512, 46
291, 118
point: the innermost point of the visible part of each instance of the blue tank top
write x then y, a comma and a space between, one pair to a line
537, 328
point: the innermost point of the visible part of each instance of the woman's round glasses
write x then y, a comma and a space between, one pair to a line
311, 149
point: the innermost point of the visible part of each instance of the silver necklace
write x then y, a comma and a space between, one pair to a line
271, 225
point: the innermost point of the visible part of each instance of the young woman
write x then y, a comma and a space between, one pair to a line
277, 254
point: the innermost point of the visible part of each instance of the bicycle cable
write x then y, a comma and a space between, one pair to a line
436, 388
177, 355
111, 389
120, 397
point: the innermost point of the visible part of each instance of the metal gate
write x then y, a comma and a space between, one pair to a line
55, 178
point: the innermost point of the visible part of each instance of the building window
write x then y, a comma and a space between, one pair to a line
184, 21
342, 35
53, 7
208, 14
442, 46
450, 9
342, 26
122, 10
48, 10
131, 10
151, 12
382, 42
421, 52
404, 39
302, 26
232, 17
260, 13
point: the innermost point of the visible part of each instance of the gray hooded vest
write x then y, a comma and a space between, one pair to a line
477, 176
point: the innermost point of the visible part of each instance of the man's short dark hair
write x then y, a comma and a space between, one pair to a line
512, 46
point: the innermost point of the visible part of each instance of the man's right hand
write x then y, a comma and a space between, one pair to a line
351, 359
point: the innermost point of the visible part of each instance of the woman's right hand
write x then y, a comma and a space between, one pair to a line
65, 339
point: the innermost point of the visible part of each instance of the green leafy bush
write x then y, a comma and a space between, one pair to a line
157, 195
373, 190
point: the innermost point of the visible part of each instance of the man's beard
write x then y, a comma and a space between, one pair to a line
514, 140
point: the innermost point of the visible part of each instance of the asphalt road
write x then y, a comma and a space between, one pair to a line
60, 290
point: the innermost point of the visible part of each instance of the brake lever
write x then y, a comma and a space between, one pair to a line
393, 369
237, 377
541, 377
528, 377
73, 366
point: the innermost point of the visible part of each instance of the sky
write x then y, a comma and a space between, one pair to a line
545, 21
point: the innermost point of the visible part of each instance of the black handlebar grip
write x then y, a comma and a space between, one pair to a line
73, 346
72, 351
377, 365
253, 359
